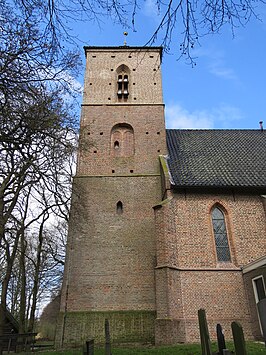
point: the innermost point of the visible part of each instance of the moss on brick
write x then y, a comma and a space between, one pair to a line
125, 327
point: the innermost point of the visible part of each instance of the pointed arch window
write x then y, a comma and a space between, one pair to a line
220, 235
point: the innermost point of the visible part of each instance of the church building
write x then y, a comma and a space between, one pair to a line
163, 222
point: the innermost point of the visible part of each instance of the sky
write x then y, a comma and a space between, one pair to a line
227, 87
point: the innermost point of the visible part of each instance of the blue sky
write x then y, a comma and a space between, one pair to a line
227, 87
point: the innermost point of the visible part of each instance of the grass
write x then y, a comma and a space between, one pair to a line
181, 349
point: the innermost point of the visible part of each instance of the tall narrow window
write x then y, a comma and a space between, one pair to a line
122, 86
122, 82
220, 235
119, 207
119, 85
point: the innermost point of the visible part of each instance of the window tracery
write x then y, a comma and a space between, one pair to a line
220, 235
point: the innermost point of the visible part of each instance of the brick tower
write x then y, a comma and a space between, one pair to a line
110, 262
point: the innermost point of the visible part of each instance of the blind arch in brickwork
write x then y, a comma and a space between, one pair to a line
122, 140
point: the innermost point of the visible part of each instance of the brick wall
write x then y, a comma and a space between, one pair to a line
112, 255
111, 244
102, 65
96, 154
188, 276
184, 225
125, 327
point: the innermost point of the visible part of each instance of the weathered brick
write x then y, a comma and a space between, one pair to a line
147, 272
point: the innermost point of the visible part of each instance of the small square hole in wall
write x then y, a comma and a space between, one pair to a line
112, 69
132, 171
112, 56
95, 151
101, 133
158, 150
90, 83
155, 84
158, 132
135, 98
134, 69
110, 83
113, 171
154, 69
147, 132
109, 98
94, 56
89, 133
151, 56
130, 56
134, 83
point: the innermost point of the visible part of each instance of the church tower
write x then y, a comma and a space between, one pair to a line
109, 271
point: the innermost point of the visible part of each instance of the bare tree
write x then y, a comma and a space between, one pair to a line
180, 21
37, 135
37, 130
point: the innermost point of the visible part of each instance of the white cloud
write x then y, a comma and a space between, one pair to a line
217, 63
218, 68
178, 117
223, 116
150, 8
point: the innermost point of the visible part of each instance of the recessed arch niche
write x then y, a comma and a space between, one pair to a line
122, 140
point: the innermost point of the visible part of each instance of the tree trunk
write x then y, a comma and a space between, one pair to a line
36, 278
5, 282
22, 310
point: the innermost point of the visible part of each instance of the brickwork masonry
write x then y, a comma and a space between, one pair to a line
188, 275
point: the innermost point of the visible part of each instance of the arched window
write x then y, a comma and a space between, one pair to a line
119, 207
122, 140
122, 82
220, 235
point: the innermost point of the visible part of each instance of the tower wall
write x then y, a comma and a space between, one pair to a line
110, 263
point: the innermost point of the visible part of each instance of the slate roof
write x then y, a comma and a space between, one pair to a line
217, 158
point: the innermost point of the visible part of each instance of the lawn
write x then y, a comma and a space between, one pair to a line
182, 349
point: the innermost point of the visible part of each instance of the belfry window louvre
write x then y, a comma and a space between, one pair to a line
220, 235
122, 86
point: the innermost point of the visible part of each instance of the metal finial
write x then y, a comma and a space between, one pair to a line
125, 40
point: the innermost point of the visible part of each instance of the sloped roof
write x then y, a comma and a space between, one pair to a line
217, 158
